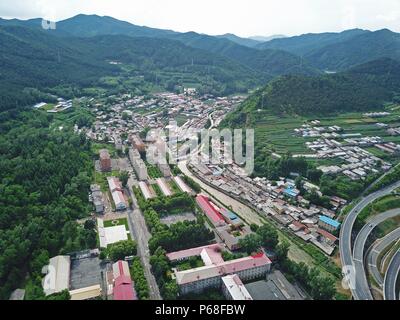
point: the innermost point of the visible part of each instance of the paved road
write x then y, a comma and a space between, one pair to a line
375, 251
361, 281
345, 248
392, 273
142, 235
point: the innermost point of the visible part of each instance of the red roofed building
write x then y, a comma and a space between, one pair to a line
210, 211
328, 236
123, 285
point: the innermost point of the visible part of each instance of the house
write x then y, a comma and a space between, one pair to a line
97, 198
182, 185
117, 193
123, 285
328, 224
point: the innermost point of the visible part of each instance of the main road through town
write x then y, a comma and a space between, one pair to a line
376, 250
361, 281
345, 248
391, 276
142, 236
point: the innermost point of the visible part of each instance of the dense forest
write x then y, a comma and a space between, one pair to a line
44, 186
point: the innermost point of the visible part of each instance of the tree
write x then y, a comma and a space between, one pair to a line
254, 227
124, 177
170, 290
137, 273
282, 250
268, 236
89, 224
250, 243
63, 295
122, 249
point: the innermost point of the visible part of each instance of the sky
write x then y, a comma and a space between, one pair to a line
241, 17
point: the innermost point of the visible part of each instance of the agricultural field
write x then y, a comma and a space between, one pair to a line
276, 133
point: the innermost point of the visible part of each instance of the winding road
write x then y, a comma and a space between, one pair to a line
345, 248
361, 281
392, 273
375, 251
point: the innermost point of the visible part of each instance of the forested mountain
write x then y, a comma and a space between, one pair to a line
38, 60
94, 25
30, 58
304, 44
34, 58
357, 50
91, 25
364, 87
272, 62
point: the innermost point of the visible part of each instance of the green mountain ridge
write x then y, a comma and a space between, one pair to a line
357, 50
365, 87
39, 60
305, 43
270, 62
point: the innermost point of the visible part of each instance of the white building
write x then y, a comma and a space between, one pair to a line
117, 194
57, 277
234, 289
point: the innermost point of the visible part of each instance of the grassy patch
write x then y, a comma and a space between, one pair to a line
378, 206
153, 171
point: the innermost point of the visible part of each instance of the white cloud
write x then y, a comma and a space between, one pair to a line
261, 17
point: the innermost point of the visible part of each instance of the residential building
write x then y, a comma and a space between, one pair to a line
123, 284
182, 185
138, 164
105, 160
147, 194
97, 198
328, 224
117, 193
137, 143
164, 187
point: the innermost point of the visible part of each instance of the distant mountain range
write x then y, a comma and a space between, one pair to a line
84, 43
269, 38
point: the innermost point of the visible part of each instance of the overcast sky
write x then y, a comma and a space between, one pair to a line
242, 17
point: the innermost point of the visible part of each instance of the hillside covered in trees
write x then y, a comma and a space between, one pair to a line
362, 88
44, 187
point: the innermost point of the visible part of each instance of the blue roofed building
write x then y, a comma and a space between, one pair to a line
291, 192
328, 224
231, 218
